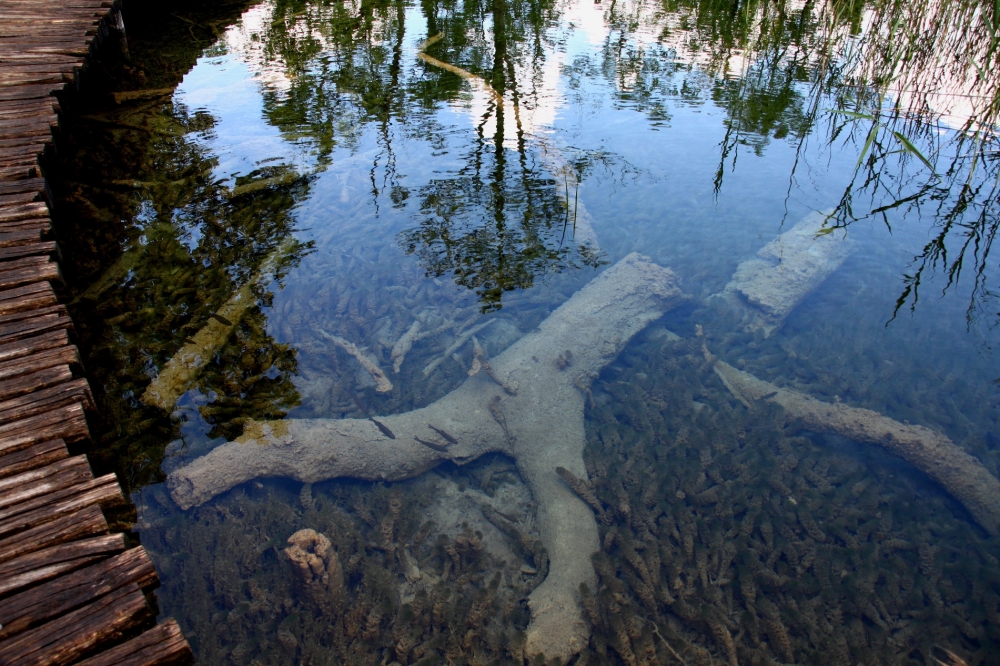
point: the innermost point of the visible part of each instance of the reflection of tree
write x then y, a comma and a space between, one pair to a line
185, 243
887, 63
501, 221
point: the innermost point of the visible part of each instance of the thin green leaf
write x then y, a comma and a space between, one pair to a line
868, 144
913, 149
824, 231
852, 114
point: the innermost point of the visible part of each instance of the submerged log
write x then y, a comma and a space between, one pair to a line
184, 367
770, 285
544, 420
931, 452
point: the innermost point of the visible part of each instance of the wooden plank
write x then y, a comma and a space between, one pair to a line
44, 480
44, 248
68, 592
29, 184
76, 391
33, 296
88, 521
66, 639
28, 383
40, 454
66, 423
16, 238
45, 564
25, 211
41, 360
163, 645
104, 491
27, 346
29, 325
15, 278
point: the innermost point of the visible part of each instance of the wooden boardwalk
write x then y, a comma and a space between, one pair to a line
70, 592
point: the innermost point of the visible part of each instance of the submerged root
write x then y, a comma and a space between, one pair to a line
931, 452
544, 430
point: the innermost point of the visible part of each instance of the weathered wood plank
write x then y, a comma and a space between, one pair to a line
35, 381
103, 490
66, 639
27, 346
37, 402
45, 564
88, 521
49, 271
15, 238
68, 592
40, 360
66, 423
27, 184
163, 645
32, 325
43, 248
44, 480
29, 297
26, 211
38, 455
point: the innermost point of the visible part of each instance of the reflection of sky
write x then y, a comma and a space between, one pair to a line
227, 88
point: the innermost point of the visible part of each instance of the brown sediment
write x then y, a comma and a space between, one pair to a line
932, 452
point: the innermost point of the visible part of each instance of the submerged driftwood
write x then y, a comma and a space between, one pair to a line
183, 368
937, 456
541, 426
770, 285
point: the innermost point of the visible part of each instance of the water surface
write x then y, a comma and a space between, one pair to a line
539, 143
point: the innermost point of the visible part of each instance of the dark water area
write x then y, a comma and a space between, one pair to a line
356, 289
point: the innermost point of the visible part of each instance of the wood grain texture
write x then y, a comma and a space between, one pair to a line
67, 589
38, 455
164, 644
67, 638
88, 521
43, 602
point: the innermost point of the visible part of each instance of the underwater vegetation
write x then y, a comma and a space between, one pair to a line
346, 573
725, 538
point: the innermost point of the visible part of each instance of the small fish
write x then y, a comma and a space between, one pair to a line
449, 438
381, 426
432, 445
221, 319
768, 396
190, 341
